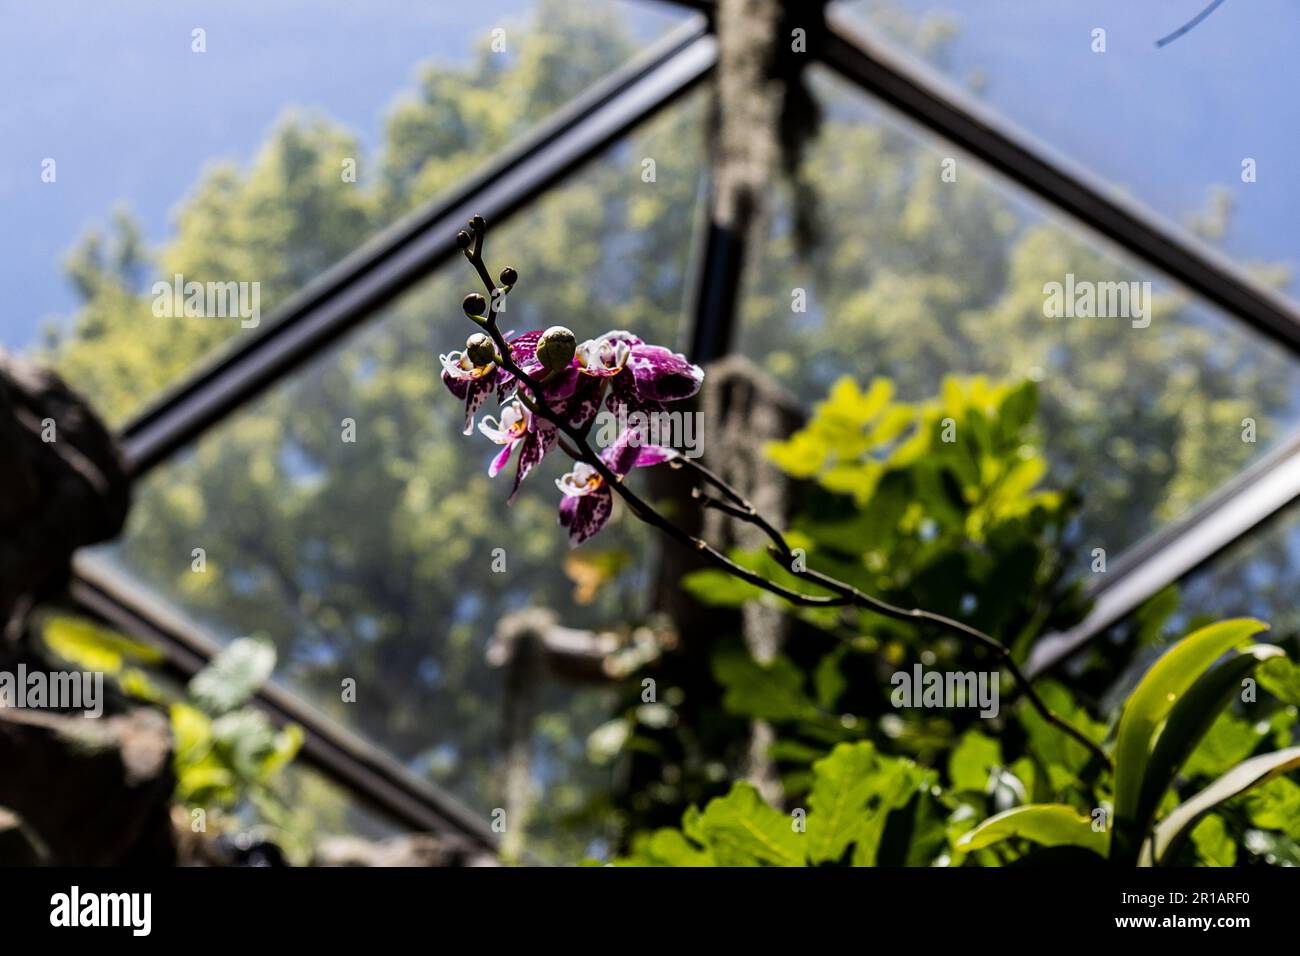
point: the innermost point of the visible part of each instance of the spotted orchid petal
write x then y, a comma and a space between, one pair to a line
662, 375
584, 515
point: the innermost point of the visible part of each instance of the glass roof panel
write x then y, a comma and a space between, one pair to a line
376, 559
916, 277
1201, 129
283, 136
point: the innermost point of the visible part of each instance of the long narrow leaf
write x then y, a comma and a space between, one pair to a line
1154, 697
1188, 723
1173, 829
1050, 824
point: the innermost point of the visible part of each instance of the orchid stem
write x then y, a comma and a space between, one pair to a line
737, 506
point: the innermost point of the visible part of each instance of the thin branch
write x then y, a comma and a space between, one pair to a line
736, 505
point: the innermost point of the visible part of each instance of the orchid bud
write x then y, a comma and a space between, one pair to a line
556, 347
463, 239
478, 223
509, 276
474, 305
480, 349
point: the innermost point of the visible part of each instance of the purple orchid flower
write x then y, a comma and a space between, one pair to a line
637, 377
588, 500
470, 383
518, 427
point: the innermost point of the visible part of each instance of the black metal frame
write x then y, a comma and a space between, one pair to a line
347, 759
396, 260
352, 291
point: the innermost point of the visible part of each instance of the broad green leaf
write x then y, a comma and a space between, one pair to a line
1275, 805
245, 738
912, 834
665, 847
766, 692
1281, 678
1172, 830
741, 830
1061, 755
1213, 844
844, 781
1049, 824
1189, 720
828, 679
1155, 696
719, 589
234, 675
898, 782
972, 761
1229, 741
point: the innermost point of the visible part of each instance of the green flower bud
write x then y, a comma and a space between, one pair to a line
480, 349
556, 347
509, 276
474, 304
463, 239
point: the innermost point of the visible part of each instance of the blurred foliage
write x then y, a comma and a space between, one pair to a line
227, 755
866, 809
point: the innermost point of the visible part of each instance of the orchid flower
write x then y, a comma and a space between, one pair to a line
470, 383
588, 500
572, 378
518, 427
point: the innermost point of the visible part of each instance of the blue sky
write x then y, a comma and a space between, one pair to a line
1162, 125
113, 93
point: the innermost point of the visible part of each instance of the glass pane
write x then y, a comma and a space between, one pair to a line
1202, 129
283, 136
1258, 576
374, 559
915, 278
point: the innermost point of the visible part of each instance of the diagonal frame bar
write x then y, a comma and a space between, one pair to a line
396, 260
359, 766
1241, 505
931, 101
1245, 503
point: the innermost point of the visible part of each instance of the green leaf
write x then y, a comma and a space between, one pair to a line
1151, 701
973, 760
94, 648
1049, 824
1213, 844
1275, 806
1172, 830
828, 679
665, 847
234, 675
764, 692
719, 589
1229, 741
741, 830
1189, 720
1281, 678
844, 781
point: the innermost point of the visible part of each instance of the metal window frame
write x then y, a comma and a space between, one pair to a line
351, 292
355, 289
1242, 504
